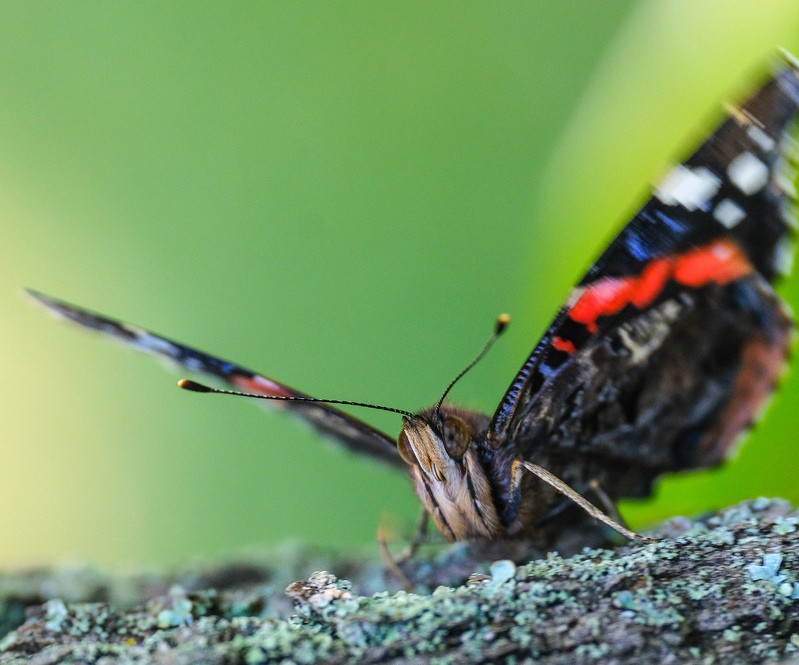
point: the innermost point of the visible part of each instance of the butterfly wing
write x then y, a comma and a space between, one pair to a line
347, 430
664, 351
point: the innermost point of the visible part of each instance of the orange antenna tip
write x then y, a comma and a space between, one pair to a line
187, 384
502, 322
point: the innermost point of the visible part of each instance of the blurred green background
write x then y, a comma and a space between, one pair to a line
341, 195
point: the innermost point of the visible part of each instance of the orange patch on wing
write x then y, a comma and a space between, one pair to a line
602, 298
721, 261
651, 282
565, 345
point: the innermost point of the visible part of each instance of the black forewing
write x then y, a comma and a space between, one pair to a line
345, 429
579, 389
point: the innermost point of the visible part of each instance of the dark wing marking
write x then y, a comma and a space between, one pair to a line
671, 388
676, 310
347, 430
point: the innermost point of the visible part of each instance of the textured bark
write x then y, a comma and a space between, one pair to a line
722, 589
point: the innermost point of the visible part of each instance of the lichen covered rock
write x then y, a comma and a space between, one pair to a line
721, 589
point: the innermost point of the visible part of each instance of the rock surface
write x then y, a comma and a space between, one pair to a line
721, 589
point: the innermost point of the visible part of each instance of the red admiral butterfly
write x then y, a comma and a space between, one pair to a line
660, 358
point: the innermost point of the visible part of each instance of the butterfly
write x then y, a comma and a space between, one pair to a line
659, 359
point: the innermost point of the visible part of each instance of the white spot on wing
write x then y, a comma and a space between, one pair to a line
728, 213
192, 364
150, 342
644, 335
748, 173
690, 188
760, 137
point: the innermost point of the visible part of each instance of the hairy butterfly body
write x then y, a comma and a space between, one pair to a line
659, 359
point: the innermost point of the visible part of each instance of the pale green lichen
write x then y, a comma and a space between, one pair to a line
768, 569
785, 525
55, 612
733, 634
502, 571
704, 594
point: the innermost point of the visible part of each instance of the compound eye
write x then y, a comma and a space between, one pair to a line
405, 450
456, 436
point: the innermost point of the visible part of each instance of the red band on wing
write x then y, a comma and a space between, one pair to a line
602, 298
651, 282
721, 262
565, 345
261, 386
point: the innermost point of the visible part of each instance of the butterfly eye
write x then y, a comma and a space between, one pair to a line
455, 433
405, 450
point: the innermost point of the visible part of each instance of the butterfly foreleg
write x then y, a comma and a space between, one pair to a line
606, 504
588, 490
520, 466
419, 538
393, 562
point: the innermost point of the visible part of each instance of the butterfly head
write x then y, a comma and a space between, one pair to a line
440, 445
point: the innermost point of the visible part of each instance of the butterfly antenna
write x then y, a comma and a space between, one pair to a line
188, 384
499, 327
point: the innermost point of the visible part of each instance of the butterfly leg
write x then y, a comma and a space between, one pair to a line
591, 489
392, 562
607, 504
520, 466
419, 539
